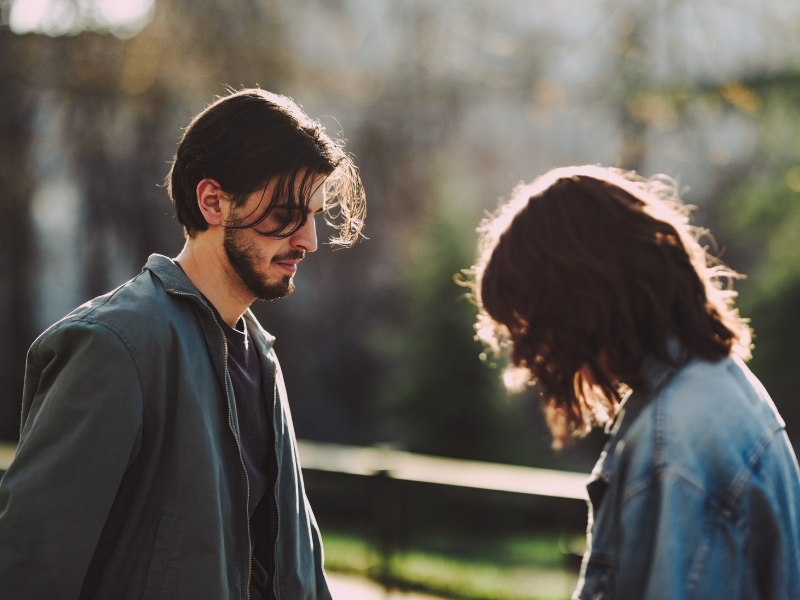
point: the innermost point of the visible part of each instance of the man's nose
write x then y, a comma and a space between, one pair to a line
306, 236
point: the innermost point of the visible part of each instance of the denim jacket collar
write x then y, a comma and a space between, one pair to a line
655, 374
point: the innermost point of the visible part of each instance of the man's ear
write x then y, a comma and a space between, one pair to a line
209, 198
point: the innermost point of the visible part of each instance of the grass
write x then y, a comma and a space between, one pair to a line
521, 568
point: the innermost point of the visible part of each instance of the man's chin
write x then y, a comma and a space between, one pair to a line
275, 290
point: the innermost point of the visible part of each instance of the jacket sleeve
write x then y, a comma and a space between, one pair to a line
81, 421
321, 580
300, 561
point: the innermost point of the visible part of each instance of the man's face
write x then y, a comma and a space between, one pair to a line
267, 265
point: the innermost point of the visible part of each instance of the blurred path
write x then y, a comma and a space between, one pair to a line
7, 451
350, 587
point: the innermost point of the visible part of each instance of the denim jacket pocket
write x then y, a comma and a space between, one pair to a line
165, 549
598, 577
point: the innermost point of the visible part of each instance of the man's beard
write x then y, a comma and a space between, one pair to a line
244, 259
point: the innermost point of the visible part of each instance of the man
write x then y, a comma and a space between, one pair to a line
594, 281
157, 456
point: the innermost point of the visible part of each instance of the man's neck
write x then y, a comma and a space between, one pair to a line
207, 266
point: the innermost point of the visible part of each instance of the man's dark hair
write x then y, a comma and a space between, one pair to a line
594, 267
251, 138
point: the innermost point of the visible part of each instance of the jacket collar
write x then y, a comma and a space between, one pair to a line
171, 275
175, 281
258, 333
655, 374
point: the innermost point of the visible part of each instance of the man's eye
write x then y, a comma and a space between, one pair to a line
286, 217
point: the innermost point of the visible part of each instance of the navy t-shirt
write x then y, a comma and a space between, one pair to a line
254, 410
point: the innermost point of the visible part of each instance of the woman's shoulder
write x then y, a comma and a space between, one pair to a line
708, 424
717, 399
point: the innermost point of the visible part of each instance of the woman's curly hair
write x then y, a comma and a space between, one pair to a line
598, 268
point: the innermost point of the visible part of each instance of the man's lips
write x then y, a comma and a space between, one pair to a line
290, 266
288, 261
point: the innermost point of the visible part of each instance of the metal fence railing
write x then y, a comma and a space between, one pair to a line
406, 466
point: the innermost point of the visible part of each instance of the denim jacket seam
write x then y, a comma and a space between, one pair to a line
765, 474
633, 490
685, 477
660, 434
745, 475
700, 559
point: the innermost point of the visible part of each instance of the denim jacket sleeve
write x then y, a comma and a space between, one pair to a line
81, 419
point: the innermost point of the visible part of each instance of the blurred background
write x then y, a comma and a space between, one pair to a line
446, 105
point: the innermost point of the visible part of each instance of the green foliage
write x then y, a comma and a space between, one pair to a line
523, 568
764, 214
760, 220
441, 398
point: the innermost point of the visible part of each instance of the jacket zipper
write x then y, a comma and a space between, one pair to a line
277, 480
238, 445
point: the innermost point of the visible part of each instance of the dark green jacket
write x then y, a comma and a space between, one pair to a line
128, 482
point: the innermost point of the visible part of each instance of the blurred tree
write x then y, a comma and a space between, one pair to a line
16, 262
759, 217
440, 398
116, 107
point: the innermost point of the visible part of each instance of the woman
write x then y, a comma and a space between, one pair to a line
595, 283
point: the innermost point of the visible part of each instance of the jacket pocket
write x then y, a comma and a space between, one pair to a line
159, 575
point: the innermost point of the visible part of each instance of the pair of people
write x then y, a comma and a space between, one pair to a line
157, 457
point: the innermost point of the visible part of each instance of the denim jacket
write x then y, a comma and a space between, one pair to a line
128, 481
697, 493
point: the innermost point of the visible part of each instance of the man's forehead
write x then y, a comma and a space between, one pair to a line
319, 199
